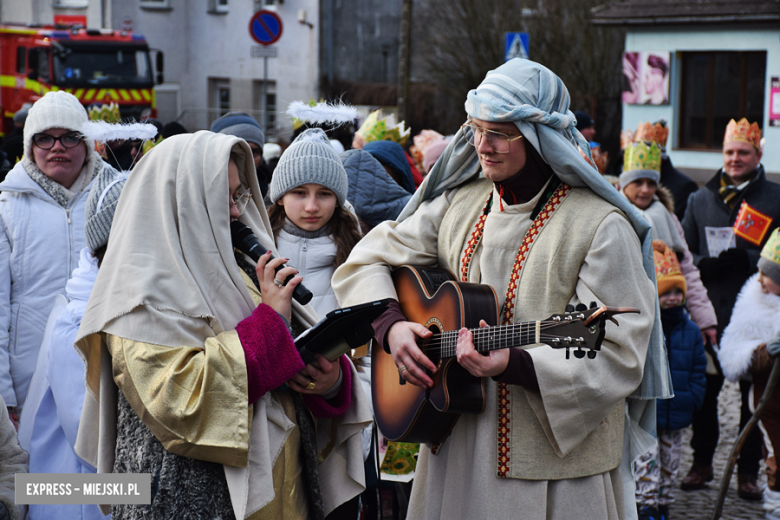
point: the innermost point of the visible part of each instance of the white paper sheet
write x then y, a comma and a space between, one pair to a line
719, 239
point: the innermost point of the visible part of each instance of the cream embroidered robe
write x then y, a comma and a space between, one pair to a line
577, 397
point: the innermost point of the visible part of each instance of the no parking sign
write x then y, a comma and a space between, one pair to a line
265, 27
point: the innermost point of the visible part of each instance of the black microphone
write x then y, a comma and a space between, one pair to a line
245, 241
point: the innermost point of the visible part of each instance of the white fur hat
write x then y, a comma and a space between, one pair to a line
55, 110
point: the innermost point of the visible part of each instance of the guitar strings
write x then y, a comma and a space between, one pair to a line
478, 349
453, 347
437, 343
441, 337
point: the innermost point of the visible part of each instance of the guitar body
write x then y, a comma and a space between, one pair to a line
435, 299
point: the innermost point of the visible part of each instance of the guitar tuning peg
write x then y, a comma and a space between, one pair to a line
567, 353
581, 307
592, 354
570, 308
579, 353
593, 305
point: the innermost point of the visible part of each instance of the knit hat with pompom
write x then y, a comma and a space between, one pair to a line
667, 269
310, 159
55, 110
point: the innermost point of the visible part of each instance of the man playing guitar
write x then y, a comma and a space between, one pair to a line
511, 204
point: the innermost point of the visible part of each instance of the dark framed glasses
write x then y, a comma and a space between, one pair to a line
46, 141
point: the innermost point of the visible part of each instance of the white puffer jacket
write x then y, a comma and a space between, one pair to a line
39, 248
313, 258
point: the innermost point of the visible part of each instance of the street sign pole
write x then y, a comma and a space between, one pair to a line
265, 27
265, 93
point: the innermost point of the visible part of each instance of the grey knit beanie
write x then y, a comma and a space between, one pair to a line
101, 205
310, 159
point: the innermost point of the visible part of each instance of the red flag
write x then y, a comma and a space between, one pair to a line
751, 224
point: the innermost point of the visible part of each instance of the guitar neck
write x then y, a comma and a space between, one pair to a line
487, 339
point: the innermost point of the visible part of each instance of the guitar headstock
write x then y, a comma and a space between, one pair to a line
581, 329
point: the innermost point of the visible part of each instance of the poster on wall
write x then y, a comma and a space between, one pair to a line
774, 102
646, 78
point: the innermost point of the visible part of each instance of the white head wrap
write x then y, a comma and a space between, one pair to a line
170, 278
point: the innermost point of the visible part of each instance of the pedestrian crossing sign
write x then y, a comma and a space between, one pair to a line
515, 45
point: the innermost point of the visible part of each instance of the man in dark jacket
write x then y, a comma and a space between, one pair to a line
738, 197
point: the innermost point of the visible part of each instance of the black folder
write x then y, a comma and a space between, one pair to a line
340, 331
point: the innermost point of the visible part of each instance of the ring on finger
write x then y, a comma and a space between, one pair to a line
401, 369
278, 283
311, 385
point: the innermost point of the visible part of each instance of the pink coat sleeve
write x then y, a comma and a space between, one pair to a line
697, 301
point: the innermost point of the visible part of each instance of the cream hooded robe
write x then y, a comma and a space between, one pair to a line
170, 279
577, 397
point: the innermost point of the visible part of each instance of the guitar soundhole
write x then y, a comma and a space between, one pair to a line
432, 347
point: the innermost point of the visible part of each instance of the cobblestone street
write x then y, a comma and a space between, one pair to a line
699, 505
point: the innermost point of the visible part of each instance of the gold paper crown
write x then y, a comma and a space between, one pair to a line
421, 143
108, 113
655, 133
771, 249
743, 132
600, 158
626, 138
639, 156
374, 128
151, 143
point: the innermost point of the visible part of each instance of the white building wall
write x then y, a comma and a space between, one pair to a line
199, 45
676, 40
43, 11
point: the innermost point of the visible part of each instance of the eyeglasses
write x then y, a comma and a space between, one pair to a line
499, 142
241, 200
46, 141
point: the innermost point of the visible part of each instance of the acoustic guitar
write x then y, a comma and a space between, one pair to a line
434, 298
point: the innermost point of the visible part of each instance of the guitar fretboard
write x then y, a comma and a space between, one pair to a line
489, 338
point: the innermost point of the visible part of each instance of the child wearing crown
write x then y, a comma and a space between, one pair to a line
749, 345
655, 471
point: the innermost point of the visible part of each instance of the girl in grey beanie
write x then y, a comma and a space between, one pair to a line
311, 223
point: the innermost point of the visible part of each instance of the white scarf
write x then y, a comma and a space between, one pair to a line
662, 224
170, 261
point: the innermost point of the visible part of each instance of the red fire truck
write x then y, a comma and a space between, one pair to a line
95, 65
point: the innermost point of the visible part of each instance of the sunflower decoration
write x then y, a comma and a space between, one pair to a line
400, 458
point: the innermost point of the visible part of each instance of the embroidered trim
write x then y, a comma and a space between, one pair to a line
533, 232
476, 236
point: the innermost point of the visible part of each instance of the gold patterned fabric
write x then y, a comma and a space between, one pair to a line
194, 399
